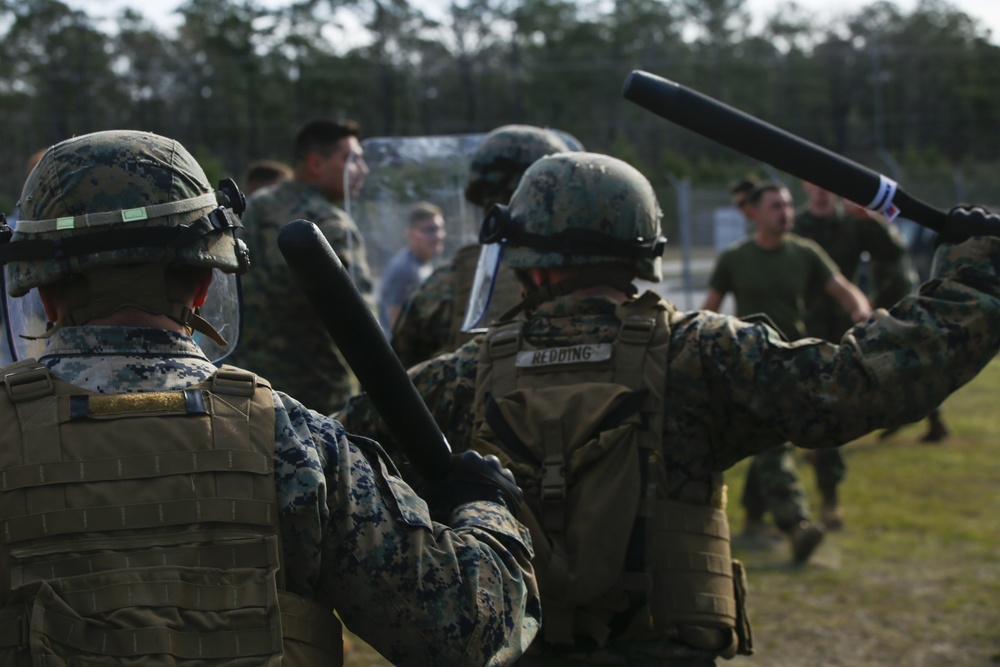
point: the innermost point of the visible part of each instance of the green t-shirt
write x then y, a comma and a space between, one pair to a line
845, 238
773, 281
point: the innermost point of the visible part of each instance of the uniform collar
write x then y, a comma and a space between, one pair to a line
118, 340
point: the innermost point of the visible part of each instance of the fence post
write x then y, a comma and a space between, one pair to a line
682, 186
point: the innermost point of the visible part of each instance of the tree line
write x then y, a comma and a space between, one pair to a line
909, 92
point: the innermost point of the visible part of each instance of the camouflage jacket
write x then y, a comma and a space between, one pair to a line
354, 535
431, 320
423, 328
845, 237
735, 388
282, 339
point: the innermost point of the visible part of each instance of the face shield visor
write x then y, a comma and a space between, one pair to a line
215, 326
500, 230
483, 286
492, 237
26, 323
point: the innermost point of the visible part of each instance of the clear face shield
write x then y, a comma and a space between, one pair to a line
483, 285
27, 324
493, 235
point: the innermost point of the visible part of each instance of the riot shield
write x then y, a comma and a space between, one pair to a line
402, 172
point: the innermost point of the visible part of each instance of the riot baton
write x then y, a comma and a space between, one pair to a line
785, 151
350, 323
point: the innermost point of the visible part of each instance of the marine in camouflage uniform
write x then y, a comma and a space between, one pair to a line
890, 282
732, 389
282, 337
431, 319
845, 237
354, 537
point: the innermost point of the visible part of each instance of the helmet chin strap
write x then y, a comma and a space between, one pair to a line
592, 276
141, 286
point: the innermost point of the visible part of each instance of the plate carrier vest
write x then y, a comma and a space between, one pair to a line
142, 529
581, 428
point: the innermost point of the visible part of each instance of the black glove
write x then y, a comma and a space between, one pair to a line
473, 478
964, 222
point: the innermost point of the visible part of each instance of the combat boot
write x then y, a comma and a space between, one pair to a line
936, 430
805, 537
830, 514
757, 535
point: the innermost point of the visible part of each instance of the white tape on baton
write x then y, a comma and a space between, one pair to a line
882, 203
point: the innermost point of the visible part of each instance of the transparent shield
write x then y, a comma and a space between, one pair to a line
403, 171
483, 285
25, 319
224, 311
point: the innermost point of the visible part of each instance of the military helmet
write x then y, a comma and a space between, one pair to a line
502, 157
585, 208
120, 197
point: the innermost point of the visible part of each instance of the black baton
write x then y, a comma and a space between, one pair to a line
765, 142
350, 323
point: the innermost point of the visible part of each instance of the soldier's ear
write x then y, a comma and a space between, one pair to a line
314, 163
202, 283
49, 303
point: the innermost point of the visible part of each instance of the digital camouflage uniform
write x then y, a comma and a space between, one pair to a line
731, 389
430, 321
282, 338
353, 537
845, 237
735, 389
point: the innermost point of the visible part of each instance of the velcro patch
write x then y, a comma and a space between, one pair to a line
575, 354
143, 402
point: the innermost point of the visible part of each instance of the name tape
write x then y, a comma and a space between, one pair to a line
564, 355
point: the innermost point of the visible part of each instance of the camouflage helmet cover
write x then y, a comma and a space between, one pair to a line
585, 191
115, 180
502, 157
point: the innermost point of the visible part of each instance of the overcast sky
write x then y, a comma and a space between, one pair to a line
987, 11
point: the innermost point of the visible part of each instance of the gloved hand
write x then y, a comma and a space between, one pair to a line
473, 478
965, 222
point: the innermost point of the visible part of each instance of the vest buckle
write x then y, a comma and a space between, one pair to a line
28, 385
234, 383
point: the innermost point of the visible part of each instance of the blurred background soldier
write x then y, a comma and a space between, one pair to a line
261, 173
282, 337
738, 194
891, 280
431, 319
773, 272
158, 510
618, 414
846, 237
411, 266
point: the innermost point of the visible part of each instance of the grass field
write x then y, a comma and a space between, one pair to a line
913, 579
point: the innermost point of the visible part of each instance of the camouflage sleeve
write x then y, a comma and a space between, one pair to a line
423, 327
447, 383
891, 281
419, 592
893, 369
